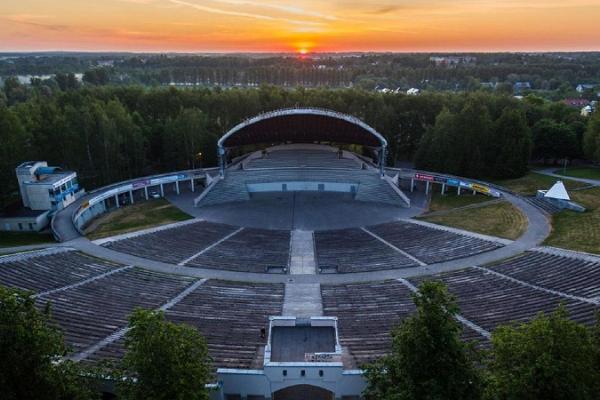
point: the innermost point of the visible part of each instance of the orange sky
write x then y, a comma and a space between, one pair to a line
292, 25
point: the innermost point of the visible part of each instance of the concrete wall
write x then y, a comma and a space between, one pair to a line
12, 224
264, 383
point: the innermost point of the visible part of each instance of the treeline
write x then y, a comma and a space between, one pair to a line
112, 133
553, 74
547, 358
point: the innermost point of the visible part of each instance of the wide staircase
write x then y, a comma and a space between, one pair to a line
233, 188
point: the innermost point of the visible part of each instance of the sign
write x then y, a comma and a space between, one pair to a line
424, 177
140, 184
465, 185
167, 179
453, 182
480, 188
322, 357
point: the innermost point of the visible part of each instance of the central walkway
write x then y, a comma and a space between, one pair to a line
302, 300
302, 253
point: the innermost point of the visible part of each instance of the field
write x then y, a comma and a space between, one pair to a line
498, 219
451, 200
530, 183
580, 172
136, 217
578, 231
14, 239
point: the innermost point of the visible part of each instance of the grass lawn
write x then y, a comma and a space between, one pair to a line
134, 218
451, 200
530, 183
578, 231
498, 219
14, 239
580, 172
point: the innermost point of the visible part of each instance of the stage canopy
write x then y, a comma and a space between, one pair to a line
302, 125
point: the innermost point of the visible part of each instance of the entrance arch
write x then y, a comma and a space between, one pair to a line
303, 392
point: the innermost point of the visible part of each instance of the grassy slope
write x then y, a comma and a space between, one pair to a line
498, 219
578, 231
14, 239
136, 217
530, 183
580, 172
451, 200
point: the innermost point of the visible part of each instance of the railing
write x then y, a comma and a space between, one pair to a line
98, 195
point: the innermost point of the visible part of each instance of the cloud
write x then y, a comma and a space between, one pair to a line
35, 20
284, 8
244, 14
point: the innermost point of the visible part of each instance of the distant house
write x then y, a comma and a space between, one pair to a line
576, 103
413, 91
520, 86
449, 61
589, 109
582, 87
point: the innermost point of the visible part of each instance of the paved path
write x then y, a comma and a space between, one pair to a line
550, 172
20, 249
302, 253
538, 229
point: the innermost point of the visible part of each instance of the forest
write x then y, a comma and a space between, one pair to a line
109, 133
551, 75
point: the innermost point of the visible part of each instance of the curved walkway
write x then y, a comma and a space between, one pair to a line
538, 229
550, 172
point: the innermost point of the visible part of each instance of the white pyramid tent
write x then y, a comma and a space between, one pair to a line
558, 191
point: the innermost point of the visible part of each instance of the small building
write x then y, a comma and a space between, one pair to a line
518, 87
582, 87
413, 91
558, 197
587, 111
44, 190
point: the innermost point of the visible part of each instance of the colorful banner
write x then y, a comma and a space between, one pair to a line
480, 188
424, 177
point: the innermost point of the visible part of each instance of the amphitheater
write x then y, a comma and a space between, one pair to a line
300, 259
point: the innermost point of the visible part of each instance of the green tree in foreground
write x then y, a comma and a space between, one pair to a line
163, 360
30, 349
549, 358
428, 359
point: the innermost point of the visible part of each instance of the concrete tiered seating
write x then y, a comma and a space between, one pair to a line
173, 245
302, 158
489, 300
251, 250
367, 312
43, 272
573, 276
231, 315
354, 250
91, 312
431, 245
544, 205
232, 188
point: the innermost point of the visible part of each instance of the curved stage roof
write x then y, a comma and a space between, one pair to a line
302, 125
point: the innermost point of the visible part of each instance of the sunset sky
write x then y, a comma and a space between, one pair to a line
295, 25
